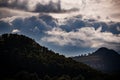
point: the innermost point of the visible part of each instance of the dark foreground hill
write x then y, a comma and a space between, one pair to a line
103, 59
21, 58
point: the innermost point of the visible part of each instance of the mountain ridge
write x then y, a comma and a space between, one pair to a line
22, 58
104, 59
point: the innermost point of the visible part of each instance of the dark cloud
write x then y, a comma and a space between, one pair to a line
3, 3
49, 20
50, 7
31, 26
39, 7
14, 4
75, 23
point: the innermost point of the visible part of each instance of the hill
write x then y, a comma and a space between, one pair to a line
105, 60
21, 58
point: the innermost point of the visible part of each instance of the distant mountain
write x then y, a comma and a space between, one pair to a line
103, 59
21, 58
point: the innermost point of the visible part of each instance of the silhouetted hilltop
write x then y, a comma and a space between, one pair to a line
106, 60
21, 58
105, 51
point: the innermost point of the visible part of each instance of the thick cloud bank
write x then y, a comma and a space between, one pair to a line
85, 37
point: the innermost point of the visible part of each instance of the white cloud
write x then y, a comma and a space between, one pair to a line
15, 31
8, 15
85, 37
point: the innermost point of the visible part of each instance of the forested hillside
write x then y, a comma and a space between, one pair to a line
21, 58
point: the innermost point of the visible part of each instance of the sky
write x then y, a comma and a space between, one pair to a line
68, 27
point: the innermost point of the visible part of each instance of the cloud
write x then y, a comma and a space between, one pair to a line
32, 26
15, 31
7, 14
54, 7
50, 7
85, 37
35, 6
88, 8
15, 4
76, 22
